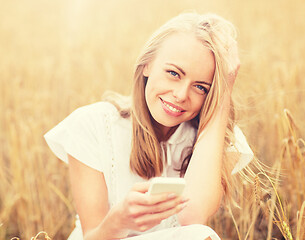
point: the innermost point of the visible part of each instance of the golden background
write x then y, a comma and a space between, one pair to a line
58, 55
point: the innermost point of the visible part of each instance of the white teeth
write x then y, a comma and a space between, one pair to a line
171, 108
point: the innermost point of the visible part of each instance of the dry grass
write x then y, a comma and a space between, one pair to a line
58, 55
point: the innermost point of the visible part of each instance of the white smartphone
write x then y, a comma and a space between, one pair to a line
166, 184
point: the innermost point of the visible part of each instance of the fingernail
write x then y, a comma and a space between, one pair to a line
183, 206
171, 196
185, 199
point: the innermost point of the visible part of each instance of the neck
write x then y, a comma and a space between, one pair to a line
163, 133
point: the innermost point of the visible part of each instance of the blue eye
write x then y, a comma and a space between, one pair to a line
202, 88
173, 73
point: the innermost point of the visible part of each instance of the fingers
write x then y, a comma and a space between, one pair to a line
141, 187
136, 195
149, 220
166, 205
150, 200
143, 211
140, 204
145, 200
167, 213
162, 206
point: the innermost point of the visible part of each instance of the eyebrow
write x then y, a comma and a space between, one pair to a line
181, 70
203, 82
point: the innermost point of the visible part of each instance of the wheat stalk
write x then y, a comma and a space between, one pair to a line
300, 217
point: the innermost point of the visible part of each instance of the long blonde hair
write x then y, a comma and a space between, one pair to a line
216, 34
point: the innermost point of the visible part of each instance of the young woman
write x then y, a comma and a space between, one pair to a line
179, 122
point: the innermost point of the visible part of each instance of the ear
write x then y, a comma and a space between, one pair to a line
146, 70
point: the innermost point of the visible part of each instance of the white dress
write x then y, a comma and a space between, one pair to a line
99, 137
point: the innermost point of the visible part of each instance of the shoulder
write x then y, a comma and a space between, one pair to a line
96, 113
104, 108
90, 119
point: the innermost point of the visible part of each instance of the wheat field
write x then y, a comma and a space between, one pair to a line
58, 55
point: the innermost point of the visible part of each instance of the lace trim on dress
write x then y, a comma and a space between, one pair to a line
174, 221
113, 185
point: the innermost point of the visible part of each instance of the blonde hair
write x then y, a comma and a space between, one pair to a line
216, 34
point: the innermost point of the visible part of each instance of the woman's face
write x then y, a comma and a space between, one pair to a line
179, 78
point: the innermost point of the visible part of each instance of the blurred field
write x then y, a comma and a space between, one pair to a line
59, 55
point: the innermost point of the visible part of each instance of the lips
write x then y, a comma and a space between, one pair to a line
172, 109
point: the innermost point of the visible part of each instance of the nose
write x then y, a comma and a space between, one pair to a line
181, 92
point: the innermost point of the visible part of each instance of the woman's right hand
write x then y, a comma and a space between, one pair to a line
140, 211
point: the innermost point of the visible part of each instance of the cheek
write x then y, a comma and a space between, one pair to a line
198, 103
156, 86
150, 92
146, 92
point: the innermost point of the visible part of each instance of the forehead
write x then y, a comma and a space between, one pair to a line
187, 52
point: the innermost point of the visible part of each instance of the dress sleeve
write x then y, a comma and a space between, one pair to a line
242, 147
83, 135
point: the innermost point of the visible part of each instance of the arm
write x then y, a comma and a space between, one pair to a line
91, 202
203, 175
138, 211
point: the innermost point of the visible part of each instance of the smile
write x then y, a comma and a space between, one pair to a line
172, 109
